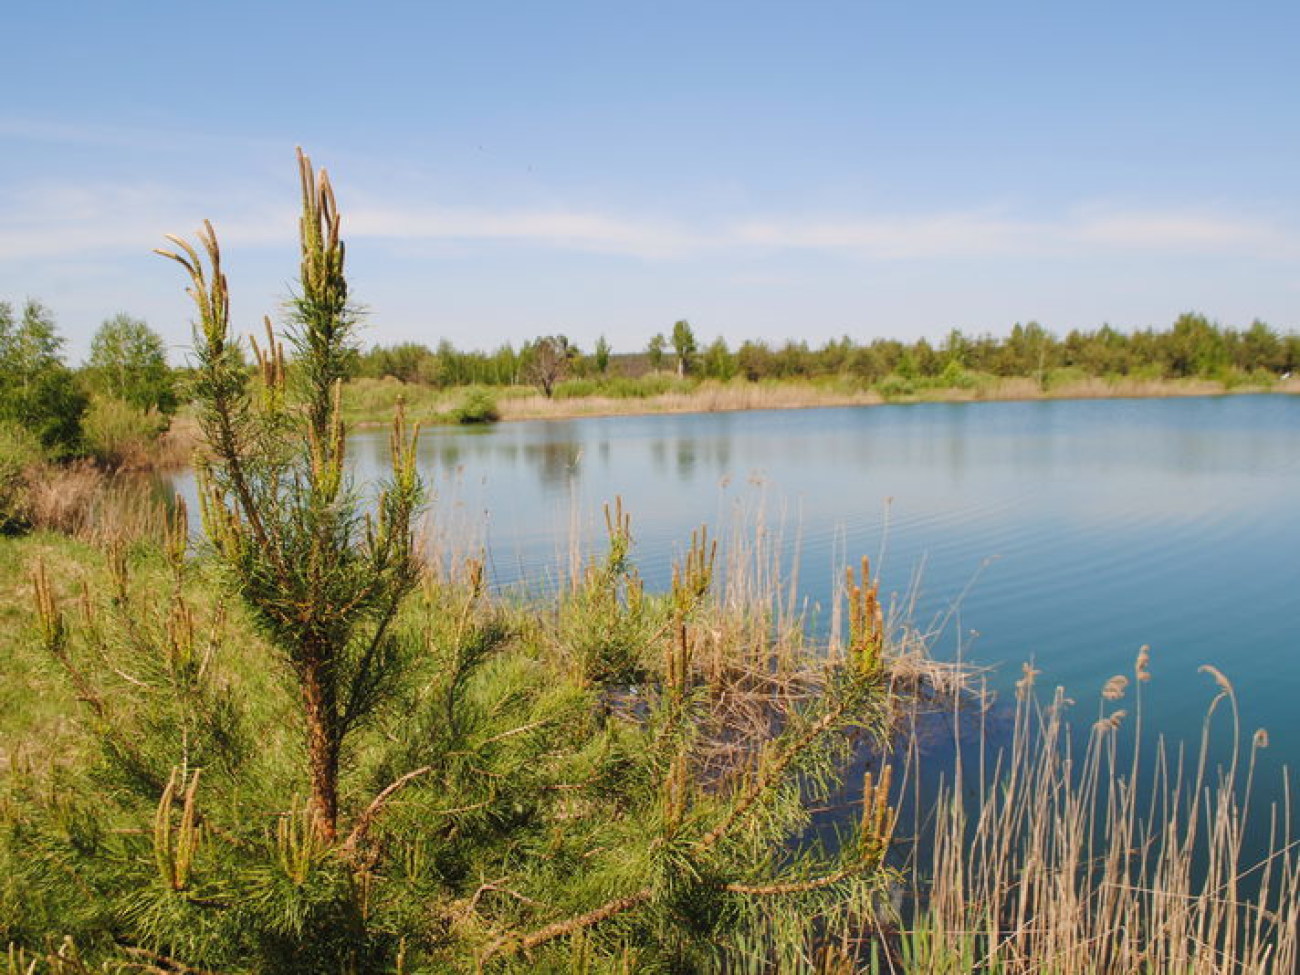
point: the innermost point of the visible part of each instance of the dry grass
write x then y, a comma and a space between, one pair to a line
708, 397
175, 448
1038, 859
82, 501
715, 397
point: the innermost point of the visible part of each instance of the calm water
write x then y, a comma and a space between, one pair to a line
1069, 533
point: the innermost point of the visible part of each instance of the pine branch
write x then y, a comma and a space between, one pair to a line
797, 886
507, 945
157, 964
769, 776
367, 818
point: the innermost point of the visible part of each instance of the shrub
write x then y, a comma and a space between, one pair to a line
1064, 376
478, 405
20, 453
894, 386
119, 435
577, 389
955, 377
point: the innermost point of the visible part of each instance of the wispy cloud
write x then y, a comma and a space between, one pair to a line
52, 220
919, 236
893, 237
1179, 231
569, 229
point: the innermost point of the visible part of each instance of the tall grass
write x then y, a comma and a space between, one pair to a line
1037, 858
83, 501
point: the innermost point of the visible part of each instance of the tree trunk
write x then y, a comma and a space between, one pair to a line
322, 751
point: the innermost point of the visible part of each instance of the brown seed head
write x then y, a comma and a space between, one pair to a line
1114, 688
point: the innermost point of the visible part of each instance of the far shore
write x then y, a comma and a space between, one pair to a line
718, 398
714, 397
431, 407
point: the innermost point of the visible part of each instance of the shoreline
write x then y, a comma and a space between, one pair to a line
731, 397
713, 397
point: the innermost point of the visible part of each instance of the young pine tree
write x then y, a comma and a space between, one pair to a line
323, 581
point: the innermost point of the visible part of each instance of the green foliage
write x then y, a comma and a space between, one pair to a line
896, 387
955, 377
20, 453
509, 790
128, 362
37, 391
684, 345
1194, 348
624, 387
601, 355
322, 583
607, 625
655, 351
718, 362
477, 405
411, 362
118, 434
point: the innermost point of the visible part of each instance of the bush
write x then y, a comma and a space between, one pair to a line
894, 386
624, 387
955, 377
476, 406
118, 435
20, 453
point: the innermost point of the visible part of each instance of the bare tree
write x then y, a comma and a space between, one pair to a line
547, 362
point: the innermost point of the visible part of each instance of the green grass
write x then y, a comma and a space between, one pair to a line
539, 778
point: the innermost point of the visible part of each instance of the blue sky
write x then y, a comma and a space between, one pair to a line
768, 170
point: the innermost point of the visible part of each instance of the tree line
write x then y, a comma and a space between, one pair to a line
127, 384
1192, 347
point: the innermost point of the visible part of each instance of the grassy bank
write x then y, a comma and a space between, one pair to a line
542, 731
604, 749
369, 402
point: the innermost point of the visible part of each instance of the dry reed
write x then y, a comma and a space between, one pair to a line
1109, 861
83, 501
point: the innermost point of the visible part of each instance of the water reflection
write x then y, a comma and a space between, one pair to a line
1093, 527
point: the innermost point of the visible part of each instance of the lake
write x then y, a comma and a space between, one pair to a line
1068, 533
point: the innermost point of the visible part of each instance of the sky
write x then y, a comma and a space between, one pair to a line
764, 170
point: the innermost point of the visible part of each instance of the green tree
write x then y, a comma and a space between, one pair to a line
754, 360
1028, 351
37, 391
1194, 347
128, 361
926, 359
323, 584
1261, 348
602, 356
957, 348
655, 351
718, 362
684, 346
